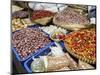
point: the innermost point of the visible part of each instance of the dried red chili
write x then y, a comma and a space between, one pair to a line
37, 14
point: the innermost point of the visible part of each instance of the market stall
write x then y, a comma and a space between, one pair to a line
49, 37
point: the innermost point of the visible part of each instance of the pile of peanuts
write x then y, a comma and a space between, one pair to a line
18, 24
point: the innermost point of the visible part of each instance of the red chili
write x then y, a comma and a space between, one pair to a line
37, 14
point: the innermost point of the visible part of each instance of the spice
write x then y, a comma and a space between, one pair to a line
37, 14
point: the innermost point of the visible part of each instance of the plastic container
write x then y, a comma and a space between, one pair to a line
39, 51
27, 64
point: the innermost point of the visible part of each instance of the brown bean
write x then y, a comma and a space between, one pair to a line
28, 40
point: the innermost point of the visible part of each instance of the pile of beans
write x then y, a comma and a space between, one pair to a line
37, 14
29, 40
70, 16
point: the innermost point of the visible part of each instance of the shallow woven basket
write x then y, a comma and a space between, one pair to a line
79, 57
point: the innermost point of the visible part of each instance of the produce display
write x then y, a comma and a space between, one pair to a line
82, 44
42, 16
50, 29
18, 24
49, 37
28, 40
71, 19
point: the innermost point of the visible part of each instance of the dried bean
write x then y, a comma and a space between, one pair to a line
28, 40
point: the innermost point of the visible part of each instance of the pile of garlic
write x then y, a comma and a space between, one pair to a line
50, 29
